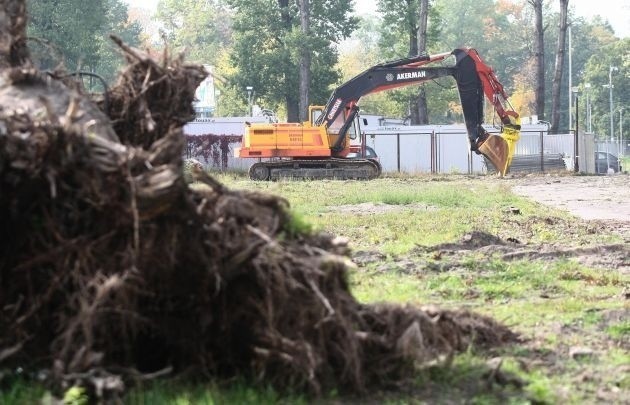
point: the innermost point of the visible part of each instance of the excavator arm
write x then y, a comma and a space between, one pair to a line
474, 80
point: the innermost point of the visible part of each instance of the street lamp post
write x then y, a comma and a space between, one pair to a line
610, 88
576, 164
570, 81
587, 87
621, 145
250, 90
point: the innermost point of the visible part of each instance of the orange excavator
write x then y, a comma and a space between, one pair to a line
318, 148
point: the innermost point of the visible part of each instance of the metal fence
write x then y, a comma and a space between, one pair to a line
445, 149
411, 150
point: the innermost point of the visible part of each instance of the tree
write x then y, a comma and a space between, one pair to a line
497, 29
588, 38
596, 73
203, 28
75, 33
557, 76
268, 43
68, 30
421, 104
409, 19
361, 52
116, 22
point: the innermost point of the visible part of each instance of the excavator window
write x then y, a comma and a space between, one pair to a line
316, 112
336, 125
352, 131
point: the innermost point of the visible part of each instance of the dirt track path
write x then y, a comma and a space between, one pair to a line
588, 197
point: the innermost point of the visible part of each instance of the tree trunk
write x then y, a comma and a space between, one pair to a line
413, 30
414, 108
423, 11
291, 98
293, 113
539, 57
305, 62
423, 5
557, 76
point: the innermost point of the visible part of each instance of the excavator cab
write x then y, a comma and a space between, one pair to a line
314, 112
340, 125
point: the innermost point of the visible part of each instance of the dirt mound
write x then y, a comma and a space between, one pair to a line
113, 270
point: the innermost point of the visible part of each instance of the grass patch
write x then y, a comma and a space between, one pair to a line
20, 391
297, 225
388, 287
592, 277
422, 211
176, 393
619, 331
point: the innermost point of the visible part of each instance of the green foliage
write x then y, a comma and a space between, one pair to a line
400, 21
436, 194
503, 33
541, 391
590, 39
202, 28
267, 42
116, 22
75, 33
499, 31
597, 74
361, 52
75, 396
397, 29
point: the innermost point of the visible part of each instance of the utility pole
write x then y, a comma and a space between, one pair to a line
623, 149
587, 90
610, 88
576, 163
570, 81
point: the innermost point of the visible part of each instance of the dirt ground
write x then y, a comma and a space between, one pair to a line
589, 197
602, 198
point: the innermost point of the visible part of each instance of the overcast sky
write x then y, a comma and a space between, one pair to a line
616, 11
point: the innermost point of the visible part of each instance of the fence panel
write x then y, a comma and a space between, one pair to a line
445, 149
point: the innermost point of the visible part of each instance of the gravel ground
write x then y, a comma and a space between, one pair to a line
604, 198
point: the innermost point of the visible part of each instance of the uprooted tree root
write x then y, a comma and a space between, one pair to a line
113, 269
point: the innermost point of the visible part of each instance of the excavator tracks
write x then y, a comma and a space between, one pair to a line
337, 169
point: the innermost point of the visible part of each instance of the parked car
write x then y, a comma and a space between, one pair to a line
604, 161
